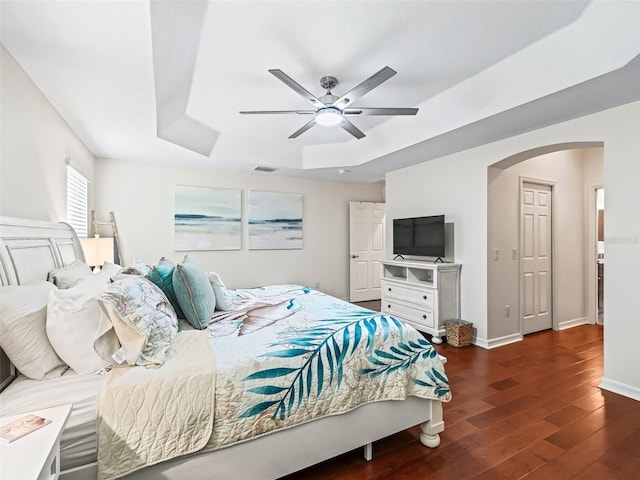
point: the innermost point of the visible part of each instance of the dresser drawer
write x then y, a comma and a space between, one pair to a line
423, 297
421, 316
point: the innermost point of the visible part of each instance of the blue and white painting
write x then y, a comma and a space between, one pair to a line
275, 220
208, 218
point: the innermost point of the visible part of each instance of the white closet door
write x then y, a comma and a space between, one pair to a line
536, 293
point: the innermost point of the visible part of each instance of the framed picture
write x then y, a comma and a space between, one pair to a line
207, 218
275, 220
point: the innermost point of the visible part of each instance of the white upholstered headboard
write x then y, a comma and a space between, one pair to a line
29, 250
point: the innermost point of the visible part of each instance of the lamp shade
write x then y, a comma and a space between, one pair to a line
97, 250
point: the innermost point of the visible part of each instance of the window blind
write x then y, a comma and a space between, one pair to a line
77, 201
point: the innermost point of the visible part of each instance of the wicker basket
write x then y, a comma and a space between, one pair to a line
459, 332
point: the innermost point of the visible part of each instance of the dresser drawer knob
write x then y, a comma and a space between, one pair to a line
424, 297
388, 306
424, 316
389, 289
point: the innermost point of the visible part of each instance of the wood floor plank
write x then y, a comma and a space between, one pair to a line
566, 415
579, 431
622, 462
583, 454
598, 470
526, 461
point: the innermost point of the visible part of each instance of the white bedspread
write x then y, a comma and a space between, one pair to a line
149, 415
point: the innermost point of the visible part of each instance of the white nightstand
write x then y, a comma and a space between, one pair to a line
36, 455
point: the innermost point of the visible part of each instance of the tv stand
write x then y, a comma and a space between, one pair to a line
423, 294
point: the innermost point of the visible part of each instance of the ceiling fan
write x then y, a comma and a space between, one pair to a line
333, 110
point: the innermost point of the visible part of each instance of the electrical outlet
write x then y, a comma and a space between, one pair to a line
507, 310
317, 285
514, 254
496, 254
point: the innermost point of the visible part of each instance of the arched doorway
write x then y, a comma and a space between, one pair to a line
572, 170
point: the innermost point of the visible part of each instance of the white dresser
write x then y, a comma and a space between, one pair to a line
424, 294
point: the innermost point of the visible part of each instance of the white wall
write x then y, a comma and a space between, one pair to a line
35, 143
456, 185
435, 188
142, 198
622, 250
566, 170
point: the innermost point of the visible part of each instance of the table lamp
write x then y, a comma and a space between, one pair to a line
97, 251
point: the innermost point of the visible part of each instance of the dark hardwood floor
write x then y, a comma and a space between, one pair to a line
530, 410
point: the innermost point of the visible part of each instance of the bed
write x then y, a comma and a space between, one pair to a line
31, 249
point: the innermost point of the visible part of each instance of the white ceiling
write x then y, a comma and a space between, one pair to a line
160, 82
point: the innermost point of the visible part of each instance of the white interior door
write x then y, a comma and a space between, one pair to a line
366, 240
535, 248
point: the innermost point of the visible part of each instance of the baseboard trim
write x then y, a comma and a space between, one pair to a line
572, 323
620, 388
497, 342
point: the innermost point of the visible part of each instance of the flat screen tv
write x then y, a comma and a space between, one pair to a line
420, 236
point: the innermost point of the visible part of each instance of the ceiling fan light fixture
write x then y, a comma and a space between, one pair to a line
329, 109
329, 116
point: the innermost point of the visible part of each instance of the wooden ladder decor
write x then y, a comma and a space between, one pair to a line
113, 231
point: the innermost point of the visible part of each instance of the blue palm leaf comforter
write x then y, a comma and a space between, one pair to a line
287, 355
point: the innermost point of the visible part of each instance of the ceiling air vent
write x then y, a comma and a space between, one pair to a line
264, 169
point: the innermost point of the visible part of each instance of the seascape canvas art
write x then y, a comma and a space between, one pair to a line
207, 218
275, 220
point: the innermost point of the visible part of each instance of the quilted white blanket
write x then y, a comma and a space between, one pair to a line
144, 413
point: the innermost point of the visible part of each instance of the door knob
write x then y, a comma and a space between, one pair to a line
355, 256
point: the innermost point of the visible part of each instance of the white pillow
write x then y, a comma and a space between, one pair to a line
223, 302
75, 321
69, 275
142, 318
108, 272
23, 313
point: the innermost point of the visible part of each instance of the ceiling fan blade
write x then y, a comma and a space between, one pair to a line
299, 112
351, 128
369, 84
380, 111
299, 89
303, 128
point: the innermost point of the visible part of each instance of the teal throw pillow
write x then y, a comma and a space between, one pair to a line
162, 276
194, 293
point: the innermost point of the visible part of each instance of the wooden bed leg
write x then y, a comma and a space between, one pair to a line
429, 430
368, 452
428, 440
429, 435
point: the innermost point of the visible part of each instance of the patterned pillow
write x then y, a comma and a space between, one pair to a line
162, 276
138, 268
194, 293
143, 320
